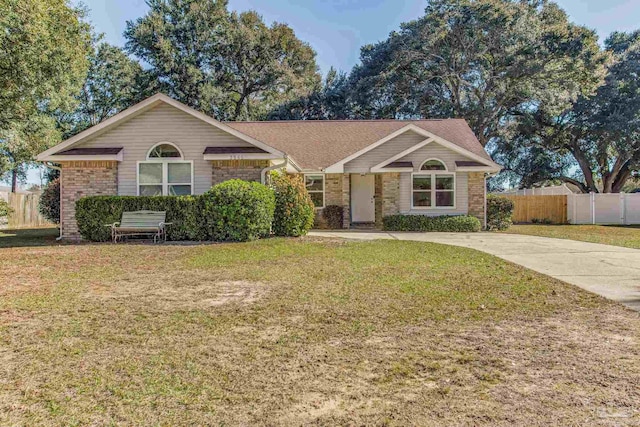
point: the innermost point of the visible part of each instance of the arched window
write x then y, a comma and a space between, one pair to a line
164, 150
433, 165
433, 187
165, 172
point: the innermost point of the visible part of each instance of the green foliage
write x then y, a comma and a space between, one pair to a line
444, 223
333, 216
43, 62
229, 65
499, 212
294, 210
484, 60
239, 211
184, 212
5, 209
49, 204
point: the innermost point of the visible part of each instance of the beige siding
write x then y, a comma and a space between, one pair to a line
381, 153
160, 124
433, 151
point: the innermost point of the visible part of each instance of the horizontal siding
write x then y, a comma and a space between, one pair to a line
160, 124
383, 152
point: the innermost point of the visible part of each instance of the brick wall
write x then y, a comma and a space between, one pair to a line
80, 179
476, 195
390, 193
336, 192
248, 170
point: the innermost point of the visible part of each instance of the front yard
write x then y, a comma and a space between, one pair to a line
307, 331
628, 236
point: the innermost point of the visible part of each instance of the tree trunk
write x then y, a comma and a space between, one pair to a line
14, 180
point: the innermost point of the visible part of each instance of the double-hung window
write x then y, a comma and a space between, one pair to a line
433, 186
165, 172
315, 188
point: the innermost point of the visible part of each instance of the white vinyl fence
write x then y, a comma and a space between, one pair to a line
595, 208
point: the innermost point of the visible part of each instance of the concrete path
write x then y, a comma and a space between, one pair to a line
610, 271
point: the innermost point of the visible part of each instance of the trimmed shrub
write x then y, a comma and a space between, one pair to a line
499, 212
333, 215
462, 223
238, 211
49, 205
92, 213
293, 215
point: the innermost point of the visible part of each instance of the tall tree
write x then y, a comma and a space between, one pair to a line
226, 64
600, 132
43, 61
114, 82
484, 60
330, 102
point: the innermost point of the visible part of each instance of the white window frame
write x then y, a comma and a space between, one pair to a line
433, 191
165, 161
324, 183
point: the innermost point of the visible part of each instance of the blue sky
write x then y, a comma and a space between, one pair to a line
336, 29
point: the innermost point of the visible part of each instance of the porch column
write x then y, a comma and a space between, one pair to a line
346, 201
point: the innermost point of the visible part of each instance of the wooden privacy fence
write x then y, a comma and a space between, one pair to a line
543, 208
25, 211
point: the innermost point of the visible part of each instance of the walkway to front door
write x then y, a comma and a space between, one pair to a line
363, 189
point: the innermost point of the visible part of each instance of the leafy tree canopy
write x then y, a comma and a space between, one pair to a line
232, 66
43, 61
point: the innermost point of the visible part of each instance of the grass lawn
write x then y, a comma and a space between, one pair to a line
307, 331
627, 236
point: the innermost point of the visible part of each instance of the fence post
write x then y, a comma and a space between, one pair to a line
623, 209
593, 207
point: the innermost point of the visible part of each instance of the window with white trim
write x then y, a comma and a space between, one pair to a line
315, 188
165, 172
433, 186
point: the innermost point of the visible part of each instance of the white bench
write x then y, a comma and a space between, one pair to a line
140, 223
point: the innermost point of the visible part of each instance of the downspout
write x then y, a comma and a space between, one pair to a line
263, 173
59, 169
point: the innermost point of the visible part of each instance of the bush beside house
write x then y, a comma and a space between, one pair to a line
332, 216
294, 211
49, 204
238, 211
499, 212
461, 223
5, 211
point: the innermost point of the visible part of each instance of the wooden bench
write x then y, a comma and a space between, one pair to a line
140, 223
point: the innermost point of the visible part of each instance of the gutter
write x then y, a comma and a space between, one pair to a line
59, 169
263, 173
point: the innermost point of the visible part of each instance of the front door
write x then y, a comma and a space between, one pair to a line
363, 190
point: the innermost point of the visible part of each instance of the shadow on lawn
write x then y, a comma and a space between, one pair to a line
28, 237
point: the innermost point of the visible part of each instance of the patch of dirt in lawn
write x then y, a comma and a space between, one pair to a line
180, 292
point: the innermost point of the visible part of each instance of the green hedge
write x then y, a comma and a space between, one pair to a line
294, 211
92, 213
238, 211
460, 223
499, 212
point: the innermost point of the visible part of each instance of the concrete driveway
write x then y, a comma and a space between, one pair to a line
610, 271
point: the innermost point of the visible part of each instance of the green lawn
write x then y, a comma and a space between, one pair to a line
306, 331
628, 236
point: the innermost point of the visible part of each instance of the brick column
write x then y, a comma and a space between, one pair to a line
390, 193
476, 195
378, 200
346, 200
79, 179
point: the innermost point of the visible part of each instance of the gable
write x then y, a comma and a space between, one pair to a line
364, 162
434, 150
163, 123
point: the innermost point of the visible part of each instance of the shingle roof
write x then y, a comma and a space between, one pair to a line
399, 165
316, 144
233, 150
90, 151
